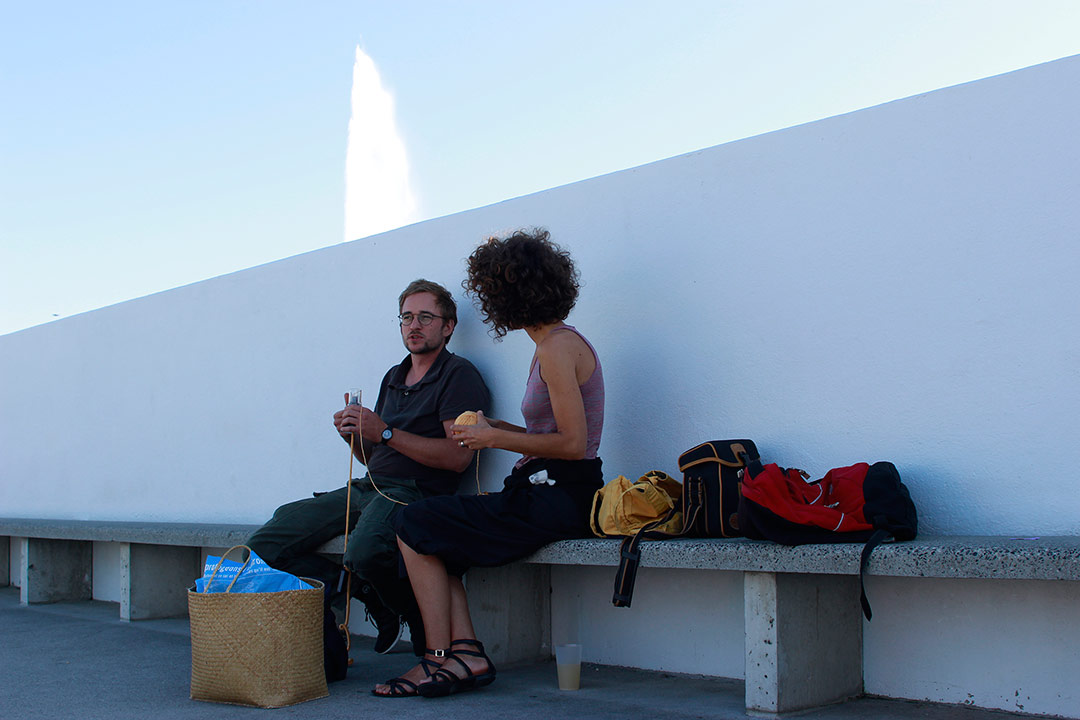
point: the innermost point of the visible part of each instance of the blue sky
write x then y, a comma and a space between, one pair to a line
149, 145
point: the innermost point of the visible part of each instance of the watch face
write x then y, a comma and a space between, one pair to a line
387, 434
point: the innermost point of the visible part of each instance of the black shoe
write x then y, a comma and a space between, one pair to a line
389, 625
416, 632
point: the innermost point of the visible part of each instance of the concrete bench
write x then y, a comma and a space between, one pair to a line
158, 560
794, 596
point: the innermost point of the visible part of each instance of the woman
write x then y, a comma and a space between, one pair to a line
523, 282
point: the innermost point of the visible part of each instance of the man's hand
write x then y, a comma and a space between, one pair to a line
357, 419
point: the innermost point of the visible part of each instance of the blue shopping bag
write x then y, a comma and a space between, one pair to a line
250, 576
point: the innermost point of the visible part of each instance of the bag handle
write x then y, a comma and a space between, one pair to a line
876, 539
630, 558
738, 449
754, 466
217, 567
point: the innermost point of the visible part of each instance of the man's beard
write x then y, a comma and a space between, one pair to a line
429, 345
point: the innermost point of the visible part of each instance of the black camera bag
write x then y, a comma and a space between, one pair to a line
711, 475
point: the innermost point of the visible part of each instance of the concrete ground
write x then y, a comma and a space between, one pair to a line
79, 661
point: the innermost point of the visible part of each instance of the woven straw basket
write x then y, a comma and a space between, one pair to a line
257, 649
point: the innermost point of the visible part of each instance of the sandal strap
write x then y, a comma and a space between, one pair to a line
475, 643
470, 653
478, 653
400, 686
444, 674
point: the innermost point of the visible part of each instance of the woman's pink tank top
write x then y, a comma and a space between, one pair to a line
536, 405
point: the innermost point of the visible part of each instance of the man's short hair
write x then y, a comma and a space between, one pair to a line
443, 299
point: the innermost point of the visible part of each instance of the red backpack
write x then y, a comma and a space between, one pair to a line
859, 503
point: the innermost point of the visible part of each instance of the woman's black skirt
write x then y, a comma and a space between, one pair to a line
496, 529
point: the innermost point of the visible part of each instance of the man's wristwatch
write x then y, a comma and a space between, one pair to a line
386, 435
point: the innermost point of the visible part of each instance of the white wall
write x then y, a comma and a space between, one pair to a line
680, 620
105, 581
989, 643
897, 283
14, 561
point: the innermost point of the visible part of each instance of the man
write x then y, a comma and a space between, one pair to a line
405, 443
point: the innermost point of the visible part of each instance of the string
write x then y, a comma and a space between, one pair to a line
344, 627
478, 491
348, 504
363, 456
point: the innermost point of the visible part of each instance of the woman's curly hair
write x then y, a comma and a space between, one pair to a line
522, 281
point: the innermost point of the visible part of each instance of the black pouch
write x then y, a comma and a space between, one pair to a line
711, 477
335, 646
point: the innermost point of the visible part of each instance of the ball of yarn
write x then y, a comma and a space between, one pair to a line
466, 418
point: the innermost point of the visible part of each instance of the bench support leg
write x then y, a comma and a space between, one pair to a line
154, 580
803, 641
511, 611
5, 561
55, 570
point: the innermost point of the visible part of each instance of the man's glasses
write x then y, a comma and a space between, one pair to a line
425, 318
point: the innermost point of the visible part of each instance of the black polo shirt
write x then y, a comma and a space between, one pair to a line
452, 386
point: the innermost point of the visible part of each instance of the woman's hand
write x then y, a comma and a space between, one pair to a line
478, 436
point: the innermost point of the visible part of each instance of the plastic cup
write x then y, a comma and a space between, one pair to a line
568, 663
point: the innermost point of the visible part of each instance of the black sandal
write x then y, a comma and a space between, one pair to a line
447, 683
401, 687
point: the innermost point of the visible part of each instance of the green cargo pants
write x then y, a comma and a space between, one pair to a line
289, 540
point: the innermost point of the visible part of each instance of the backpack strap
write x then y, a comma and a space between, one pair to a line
876, 539
753, 465
630, 558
